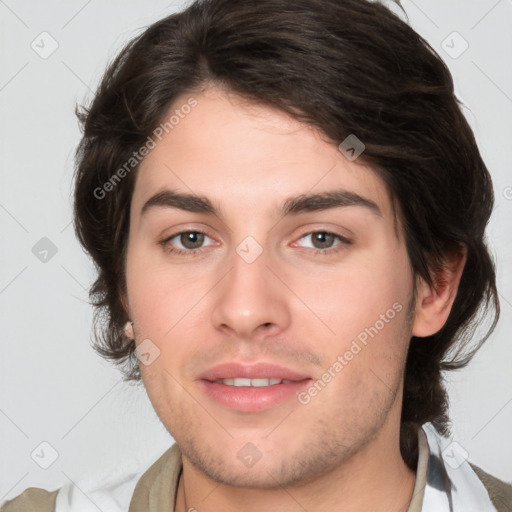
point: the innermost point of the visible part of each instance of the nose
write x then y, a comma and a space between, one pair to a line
250, 301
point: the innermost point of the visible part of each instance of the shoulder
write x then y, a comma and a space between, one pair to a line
32, 499
111, 490
500, 492
156, 489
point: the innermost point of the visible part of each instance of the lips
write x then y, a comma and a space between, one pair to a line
252, 388
253, 371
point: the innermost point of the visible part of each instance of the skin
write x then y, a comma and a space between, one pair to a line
291, 306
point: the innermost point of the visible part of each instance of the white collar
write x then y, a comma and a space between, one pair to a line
452, 484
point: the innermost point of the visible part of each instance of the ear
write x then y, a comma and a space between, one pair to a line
128, 326
434, 303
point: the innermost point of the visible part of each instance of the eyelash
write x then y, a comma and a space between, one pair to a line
195, 252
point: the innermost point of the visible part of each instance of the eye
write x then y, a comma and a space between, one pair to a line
190, 243
324, 241
185, 242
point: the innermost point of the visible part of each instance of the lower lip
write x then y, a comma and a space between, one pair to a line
252, 399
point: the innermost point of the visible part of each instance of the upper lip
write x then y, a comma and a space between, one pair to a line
251, 371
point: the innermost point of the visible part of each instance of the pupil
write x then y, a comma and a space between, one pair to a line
192, 239
322, 240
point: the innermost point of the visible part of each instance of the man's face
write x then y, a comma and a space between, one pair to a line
252, 289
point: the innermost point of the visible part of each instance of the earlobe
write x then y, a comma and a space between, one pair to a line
128, 330
434, 303
128, 326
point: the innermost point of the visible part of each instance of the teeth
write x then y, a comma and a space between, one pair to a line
257, 383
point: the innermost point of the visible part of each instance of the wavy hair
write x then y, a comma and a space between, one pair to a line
346, 67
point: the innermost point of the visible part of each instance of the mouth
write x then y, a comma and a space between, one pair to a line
255, 383
251, 388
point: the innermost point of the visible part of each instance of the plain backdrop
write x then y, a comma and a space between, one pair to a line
54, 388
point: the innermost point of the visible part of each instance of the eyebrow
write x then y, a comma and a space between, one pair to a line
303, 203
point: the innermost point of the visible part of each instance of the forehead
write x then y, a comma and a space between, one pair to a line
242, 154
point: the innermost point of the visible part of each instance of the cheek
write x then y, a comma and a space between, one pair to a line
159, 295
367, 291
168, 308
364, 366
364, 307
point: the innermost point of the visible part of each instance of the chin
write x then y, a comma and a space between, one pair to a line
272, 470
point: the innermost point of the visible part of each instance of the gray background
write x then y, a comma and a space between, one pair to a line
54, 388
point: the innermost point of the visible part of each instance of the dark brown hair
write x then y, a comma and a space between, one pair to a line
346, 67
